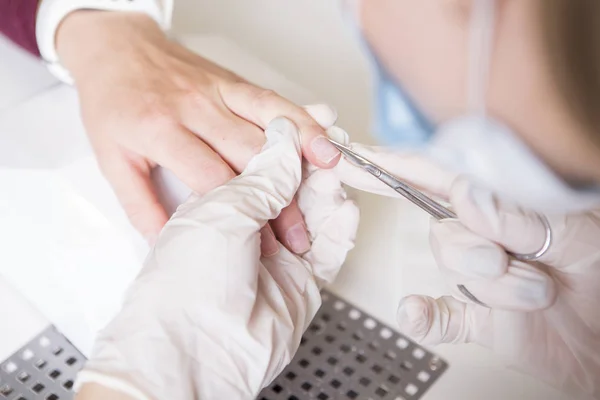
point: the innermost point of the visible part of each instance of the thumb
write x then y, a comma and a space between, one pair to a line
267, 185
432, 321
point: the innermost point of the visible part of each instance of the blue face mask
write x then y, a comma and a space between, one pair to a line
398, 122
473, 144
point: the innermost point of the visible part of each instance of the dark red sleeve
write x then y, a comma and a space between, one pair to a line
17, 22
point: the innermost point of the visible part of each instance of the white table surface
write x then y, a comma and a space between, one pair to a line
68, 252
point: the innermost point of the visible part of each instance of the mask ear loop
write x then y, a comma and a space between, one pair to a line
481, 38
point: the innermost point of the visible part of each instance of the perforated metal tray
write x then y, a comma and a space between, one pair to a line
344, 354
347, 354
45, 368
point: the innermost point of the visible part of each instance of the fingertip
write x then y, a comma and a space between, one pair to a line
323, 114
268, 243
414, 317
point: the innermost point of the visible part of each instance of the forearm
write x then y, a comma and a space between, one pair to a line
17, 22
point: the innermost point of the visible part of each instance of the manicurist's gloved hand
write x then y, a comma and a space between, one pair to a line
209, 317
543, 316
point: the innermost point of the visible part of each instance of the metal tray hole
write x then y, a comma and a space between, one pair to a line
291, 376
277, 388
377, 368
411, 389
38, 387
10, 367
23, 377
364, 381
382, 391
40, 364
5, 390
54, 374
70, 361
406, 365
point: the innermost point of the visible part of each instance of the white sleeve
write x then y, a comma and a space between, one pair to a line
52, 12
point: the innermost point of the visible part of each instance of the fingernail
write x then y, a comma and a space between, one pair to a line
323, 149
413, 317
485, 201
538, 292
297, 238
268, 244
485, 262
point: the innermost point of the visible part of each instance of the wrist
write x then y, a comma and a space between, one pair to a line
89, 40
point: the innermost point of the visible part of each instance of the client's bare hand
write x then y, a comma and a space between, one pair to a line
147, 101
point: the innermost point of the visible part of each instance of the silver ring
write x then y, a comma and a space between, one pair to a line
545, 246
470, 296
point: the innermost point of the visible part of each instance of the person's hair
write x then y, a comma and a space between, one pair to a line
571, 31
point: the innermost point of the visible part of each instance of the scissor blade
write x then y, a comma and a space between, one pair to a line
426, 203
351, 156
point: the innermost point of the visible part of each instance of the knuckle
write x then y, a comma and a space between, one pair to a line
201, 98
157, 119
265, 98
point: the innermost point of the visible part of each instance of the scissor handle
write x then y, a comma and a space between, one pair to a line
426, 203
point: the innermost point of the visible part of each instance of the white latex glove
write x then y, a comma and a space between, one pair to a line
208, 318
544, 316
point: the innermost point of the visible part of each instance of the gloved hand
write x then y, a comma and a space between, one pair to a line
544, 316
208, 317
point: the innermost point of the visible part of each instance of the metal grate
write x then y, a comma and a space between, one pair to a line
346, 354
45, 369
